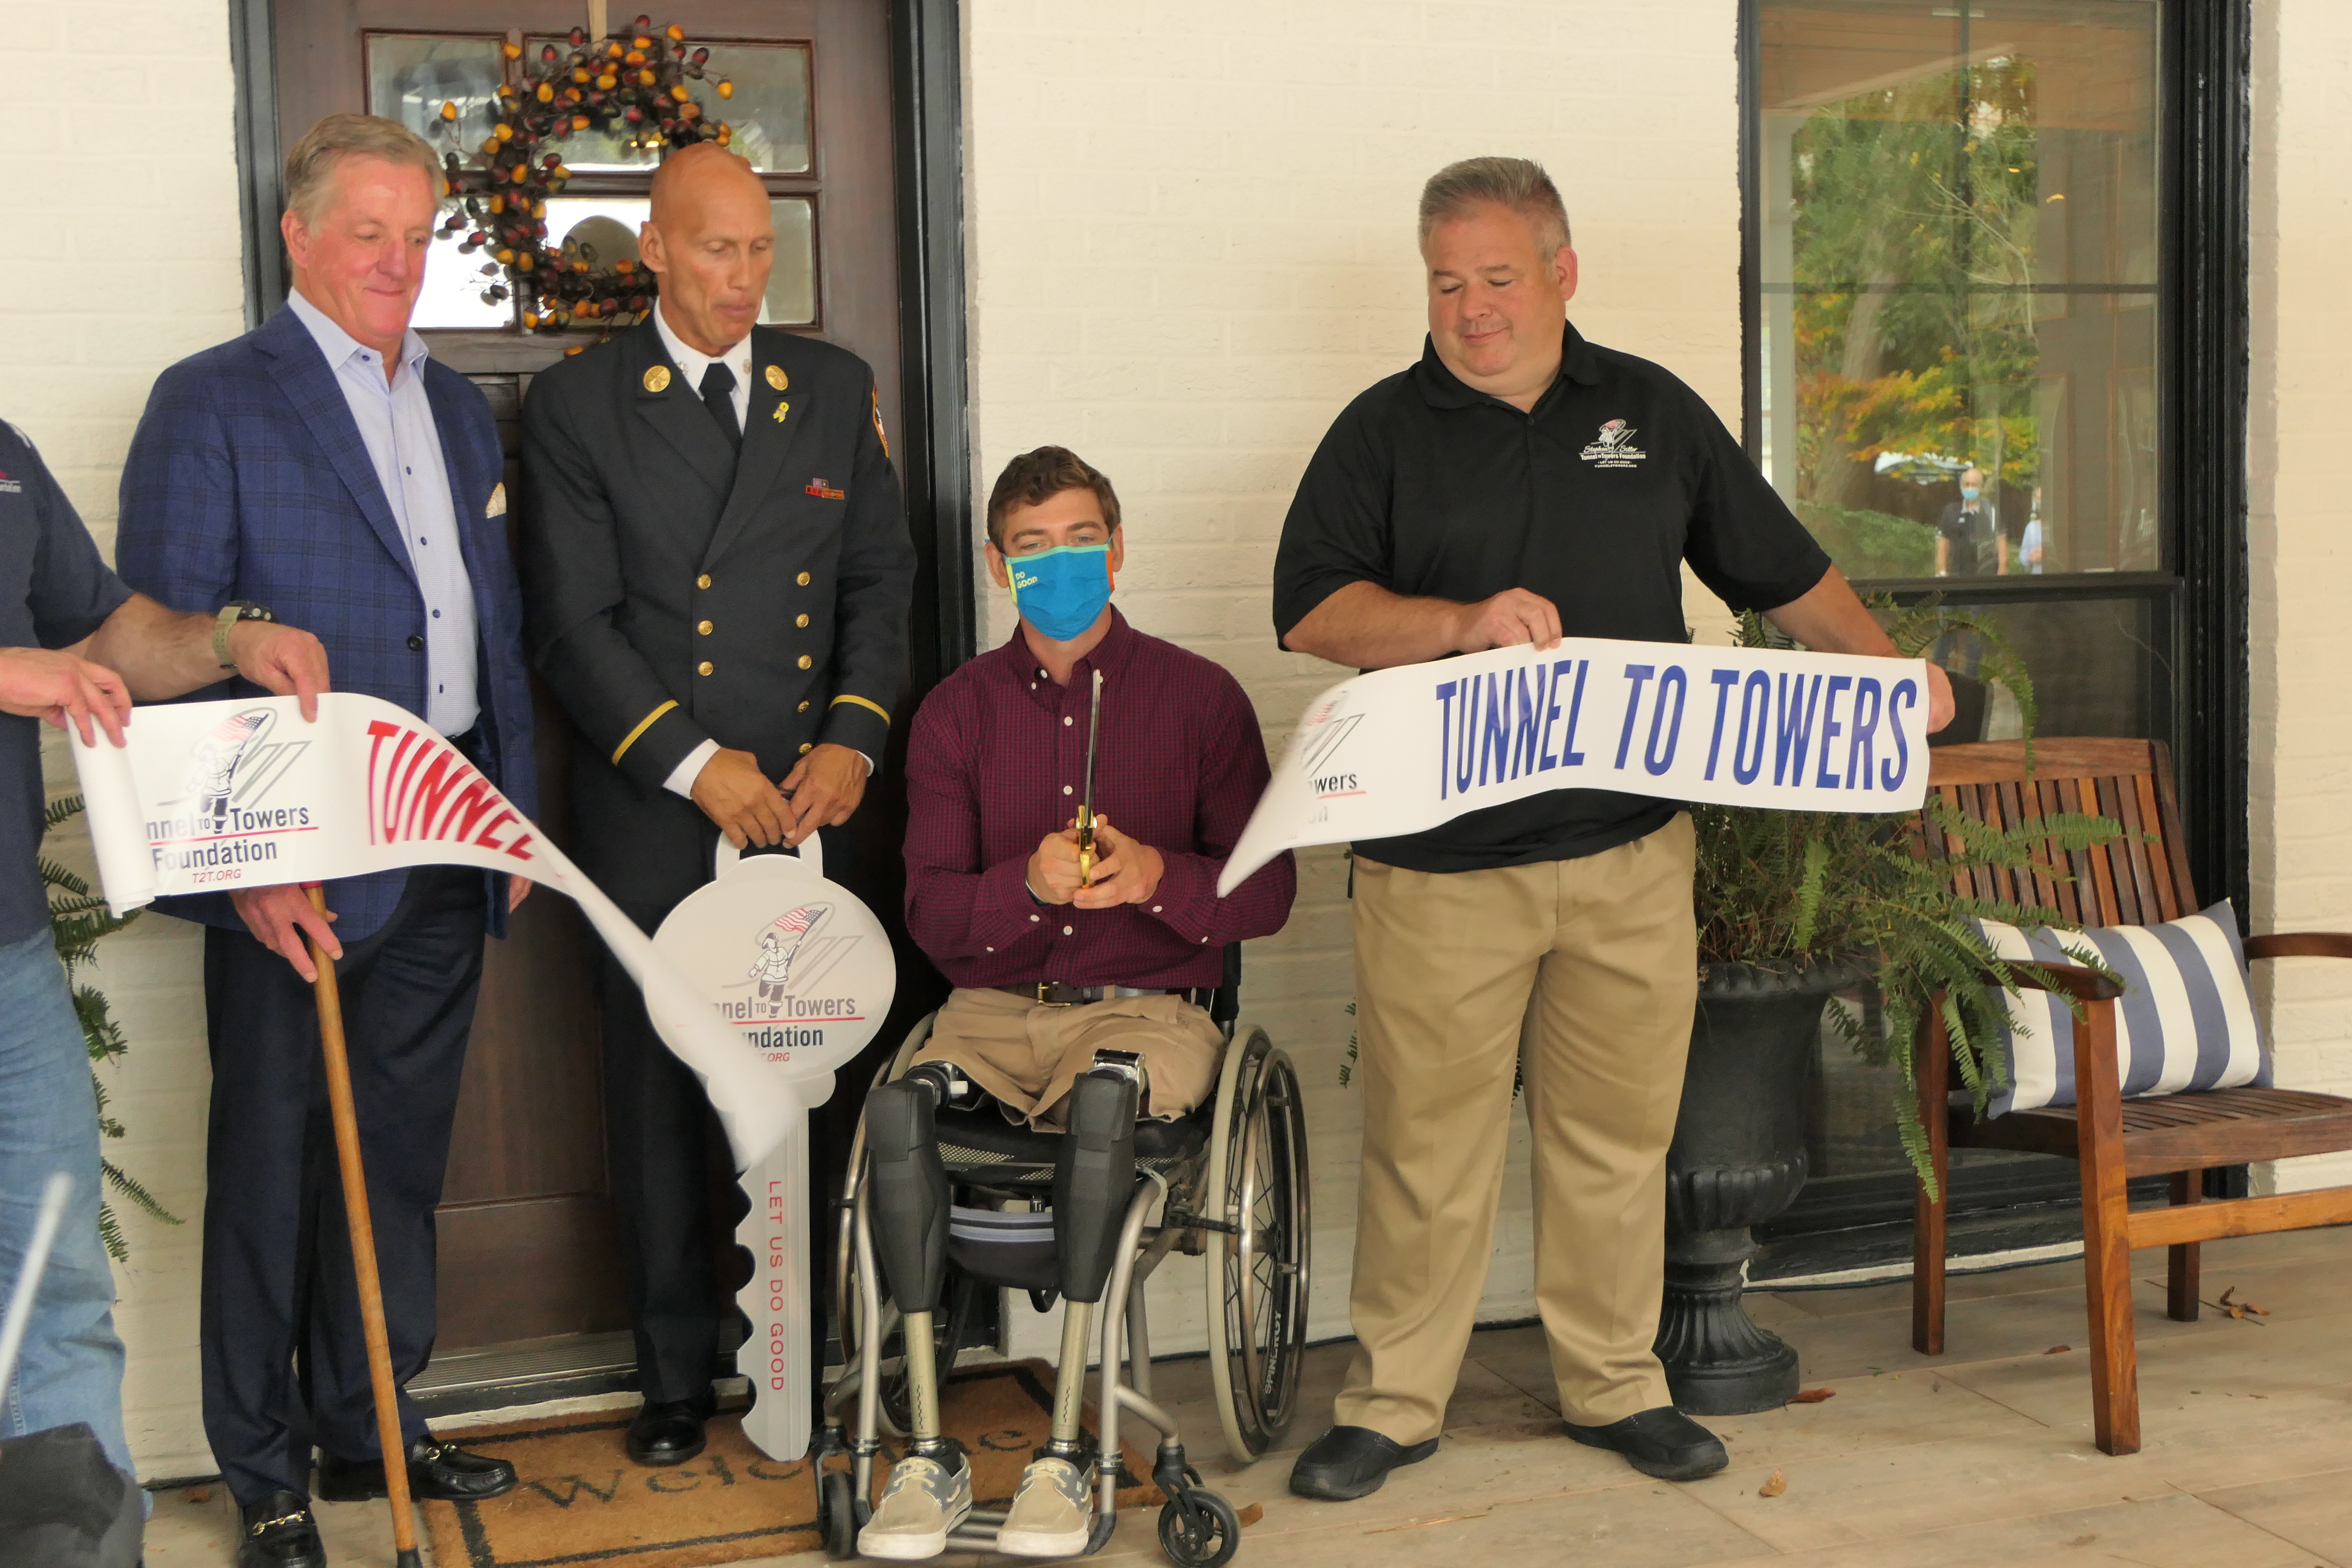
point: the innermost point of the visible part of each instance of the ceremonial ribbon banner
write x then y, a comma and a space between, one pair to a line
1401, 751
210, 797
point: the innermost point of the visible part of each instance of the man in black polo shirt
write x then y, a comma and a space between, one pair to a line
1518, 485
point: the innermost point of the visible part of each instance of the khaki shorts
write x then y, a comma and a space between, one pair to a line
1027, 1053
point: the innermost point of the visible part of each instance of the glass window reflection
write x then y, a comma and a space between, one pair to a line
1956, 252
768, 109
410, 77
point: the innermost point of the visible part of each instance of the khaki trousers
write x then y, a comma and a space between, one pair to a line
1584, 973
1028, 1053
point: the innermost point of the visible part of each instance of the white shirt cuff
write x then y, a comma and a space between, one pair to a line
689, 768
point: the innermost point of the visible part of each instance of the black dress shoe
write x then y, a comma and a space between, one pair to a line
1351, 1462
667, 1431
1663, 1443
435, 1469
279, 1532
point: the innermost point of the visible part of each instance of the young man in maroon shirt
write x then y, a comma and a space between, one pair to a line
1053, 963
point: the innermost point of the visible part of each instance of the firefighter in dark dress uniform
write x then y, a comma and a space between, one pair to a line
715, 570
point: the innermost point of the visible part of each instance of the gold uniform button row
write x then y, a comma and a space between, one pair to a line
805, 579
804, 705
703, 581
801, 621
705, 668
705, 628
807, 662
807, 746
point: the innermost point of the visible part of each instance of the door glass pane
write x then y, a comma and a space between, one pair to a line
769, 109
410, 77
452, 295
608, 227
1957, 249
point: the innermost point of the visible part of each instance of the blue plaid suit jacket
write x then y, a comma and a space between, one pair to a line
247, 479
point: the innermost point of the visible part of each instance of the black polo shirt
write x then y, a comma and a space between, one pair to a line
1594, 499
53, 591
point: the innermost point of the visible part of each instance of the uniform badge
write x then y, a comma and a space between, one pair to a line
658, 378
777, 378
782, 409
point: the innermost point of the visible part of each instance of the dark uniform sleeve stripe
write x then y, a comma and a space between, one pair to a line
644, 724
846, 697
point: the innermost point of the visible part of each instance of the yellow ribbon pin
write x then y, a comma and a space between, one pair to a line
782, 409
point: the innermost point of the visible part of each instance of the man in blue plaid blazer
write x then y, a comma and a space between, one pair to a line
323, 467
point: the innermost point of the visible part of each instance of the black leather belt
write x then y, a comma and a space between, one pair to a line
1057, 994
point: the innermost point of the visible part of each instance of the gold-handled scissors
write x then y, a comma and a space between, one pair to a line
1086, 801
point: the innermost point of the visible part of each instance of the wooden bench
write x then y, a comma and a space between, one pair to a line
2141, 879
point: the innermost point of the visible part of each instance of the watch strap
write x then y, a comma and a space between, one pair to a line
230, 616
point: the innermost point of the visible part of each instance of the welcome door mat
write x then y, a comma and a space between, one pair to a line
580, 1501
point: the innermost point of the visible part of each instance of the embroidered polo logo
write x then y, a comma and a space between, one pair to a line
818, 489
1614, 448
9, 486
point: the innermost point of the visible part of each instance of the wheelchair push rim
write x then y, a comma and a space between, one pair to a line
1259, 1270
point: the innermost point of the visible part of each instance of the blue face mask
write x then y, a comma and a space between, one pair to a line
1061, 592
1970, 492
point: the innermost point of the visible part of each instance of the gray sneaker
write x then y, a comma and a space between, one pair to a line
1051, 1513
928, 1495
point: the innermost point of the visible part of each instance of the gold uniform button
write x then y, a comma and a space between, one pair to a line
704, 628
703, 581
805, 581
705, 668
804, 705
807, 662
801, 621
807, 746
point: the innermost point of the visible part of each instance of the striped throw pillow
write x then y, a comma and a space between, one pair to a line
2185, 1020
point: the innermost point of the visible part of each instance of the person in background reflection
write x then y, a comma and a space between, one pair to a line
1968, 537
2029, 546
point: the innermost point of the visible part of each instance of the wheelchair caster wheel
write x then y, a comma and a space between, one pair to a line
1198, 1529
839, 1515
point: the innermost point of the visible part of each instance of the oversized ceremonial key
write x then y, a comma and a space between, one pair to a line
1086, 801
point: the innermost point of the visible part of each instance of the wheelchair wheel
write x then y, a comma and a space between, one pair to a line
836, 1515
1258, 1273
1198, 1529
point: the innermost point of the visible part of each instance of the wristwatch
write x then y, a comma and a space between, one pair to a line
235, 610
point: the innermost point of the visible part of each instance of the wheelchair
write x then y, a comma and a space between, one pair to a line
1229, 1181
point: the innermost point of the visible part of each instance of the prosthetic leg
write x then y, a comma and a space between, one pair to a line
929, 1491
1093, 1177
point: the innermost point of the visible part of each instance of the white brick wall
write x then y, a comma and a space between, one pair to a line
2299, 505
1190, 241
123, 257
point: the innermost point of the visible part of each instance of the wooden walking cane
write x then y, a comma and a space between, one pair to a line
355, 1212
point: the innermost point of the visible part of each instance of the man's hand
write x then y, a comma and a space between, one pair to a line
825, 786
1511, 617
1940, 703
733, 792
281, 660
1129, 871
518, 889
52, 685
1053, 870
279, 916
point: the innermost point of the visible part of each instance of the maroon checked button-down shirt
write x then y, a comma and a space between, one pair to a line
997, 760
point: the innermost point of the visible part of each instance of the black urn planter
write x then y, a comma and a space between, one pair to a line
1738, 1158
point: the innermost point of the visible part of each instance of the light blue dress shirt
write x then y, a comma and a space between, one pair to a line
395, 421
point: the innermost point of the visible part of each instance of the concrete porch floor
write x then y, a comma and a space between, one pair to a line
1983, 1455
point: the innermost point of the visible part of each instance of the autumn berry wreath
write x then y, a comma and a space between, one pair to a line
632, 84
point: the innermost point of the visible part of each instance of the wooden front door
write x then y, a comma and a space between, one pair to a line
526, 1244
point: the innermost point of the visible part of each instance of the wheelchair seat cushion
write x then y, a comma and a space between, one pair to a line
980, 1144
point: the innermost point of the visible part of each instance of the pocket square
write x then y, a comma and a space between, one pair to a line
497, 503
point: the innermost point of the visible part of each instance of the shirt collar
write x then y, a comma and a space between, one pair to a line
1440, 388
1110, 655
692, 363
339, 346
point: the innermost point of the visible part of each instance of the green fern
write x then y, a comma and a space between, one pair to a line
1817, 884
80, 920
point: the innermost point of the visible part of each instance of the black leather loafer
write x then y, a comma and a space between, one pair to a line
279, 1532
667, 1431
1349, 1462
1663, 1443
435, 1469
